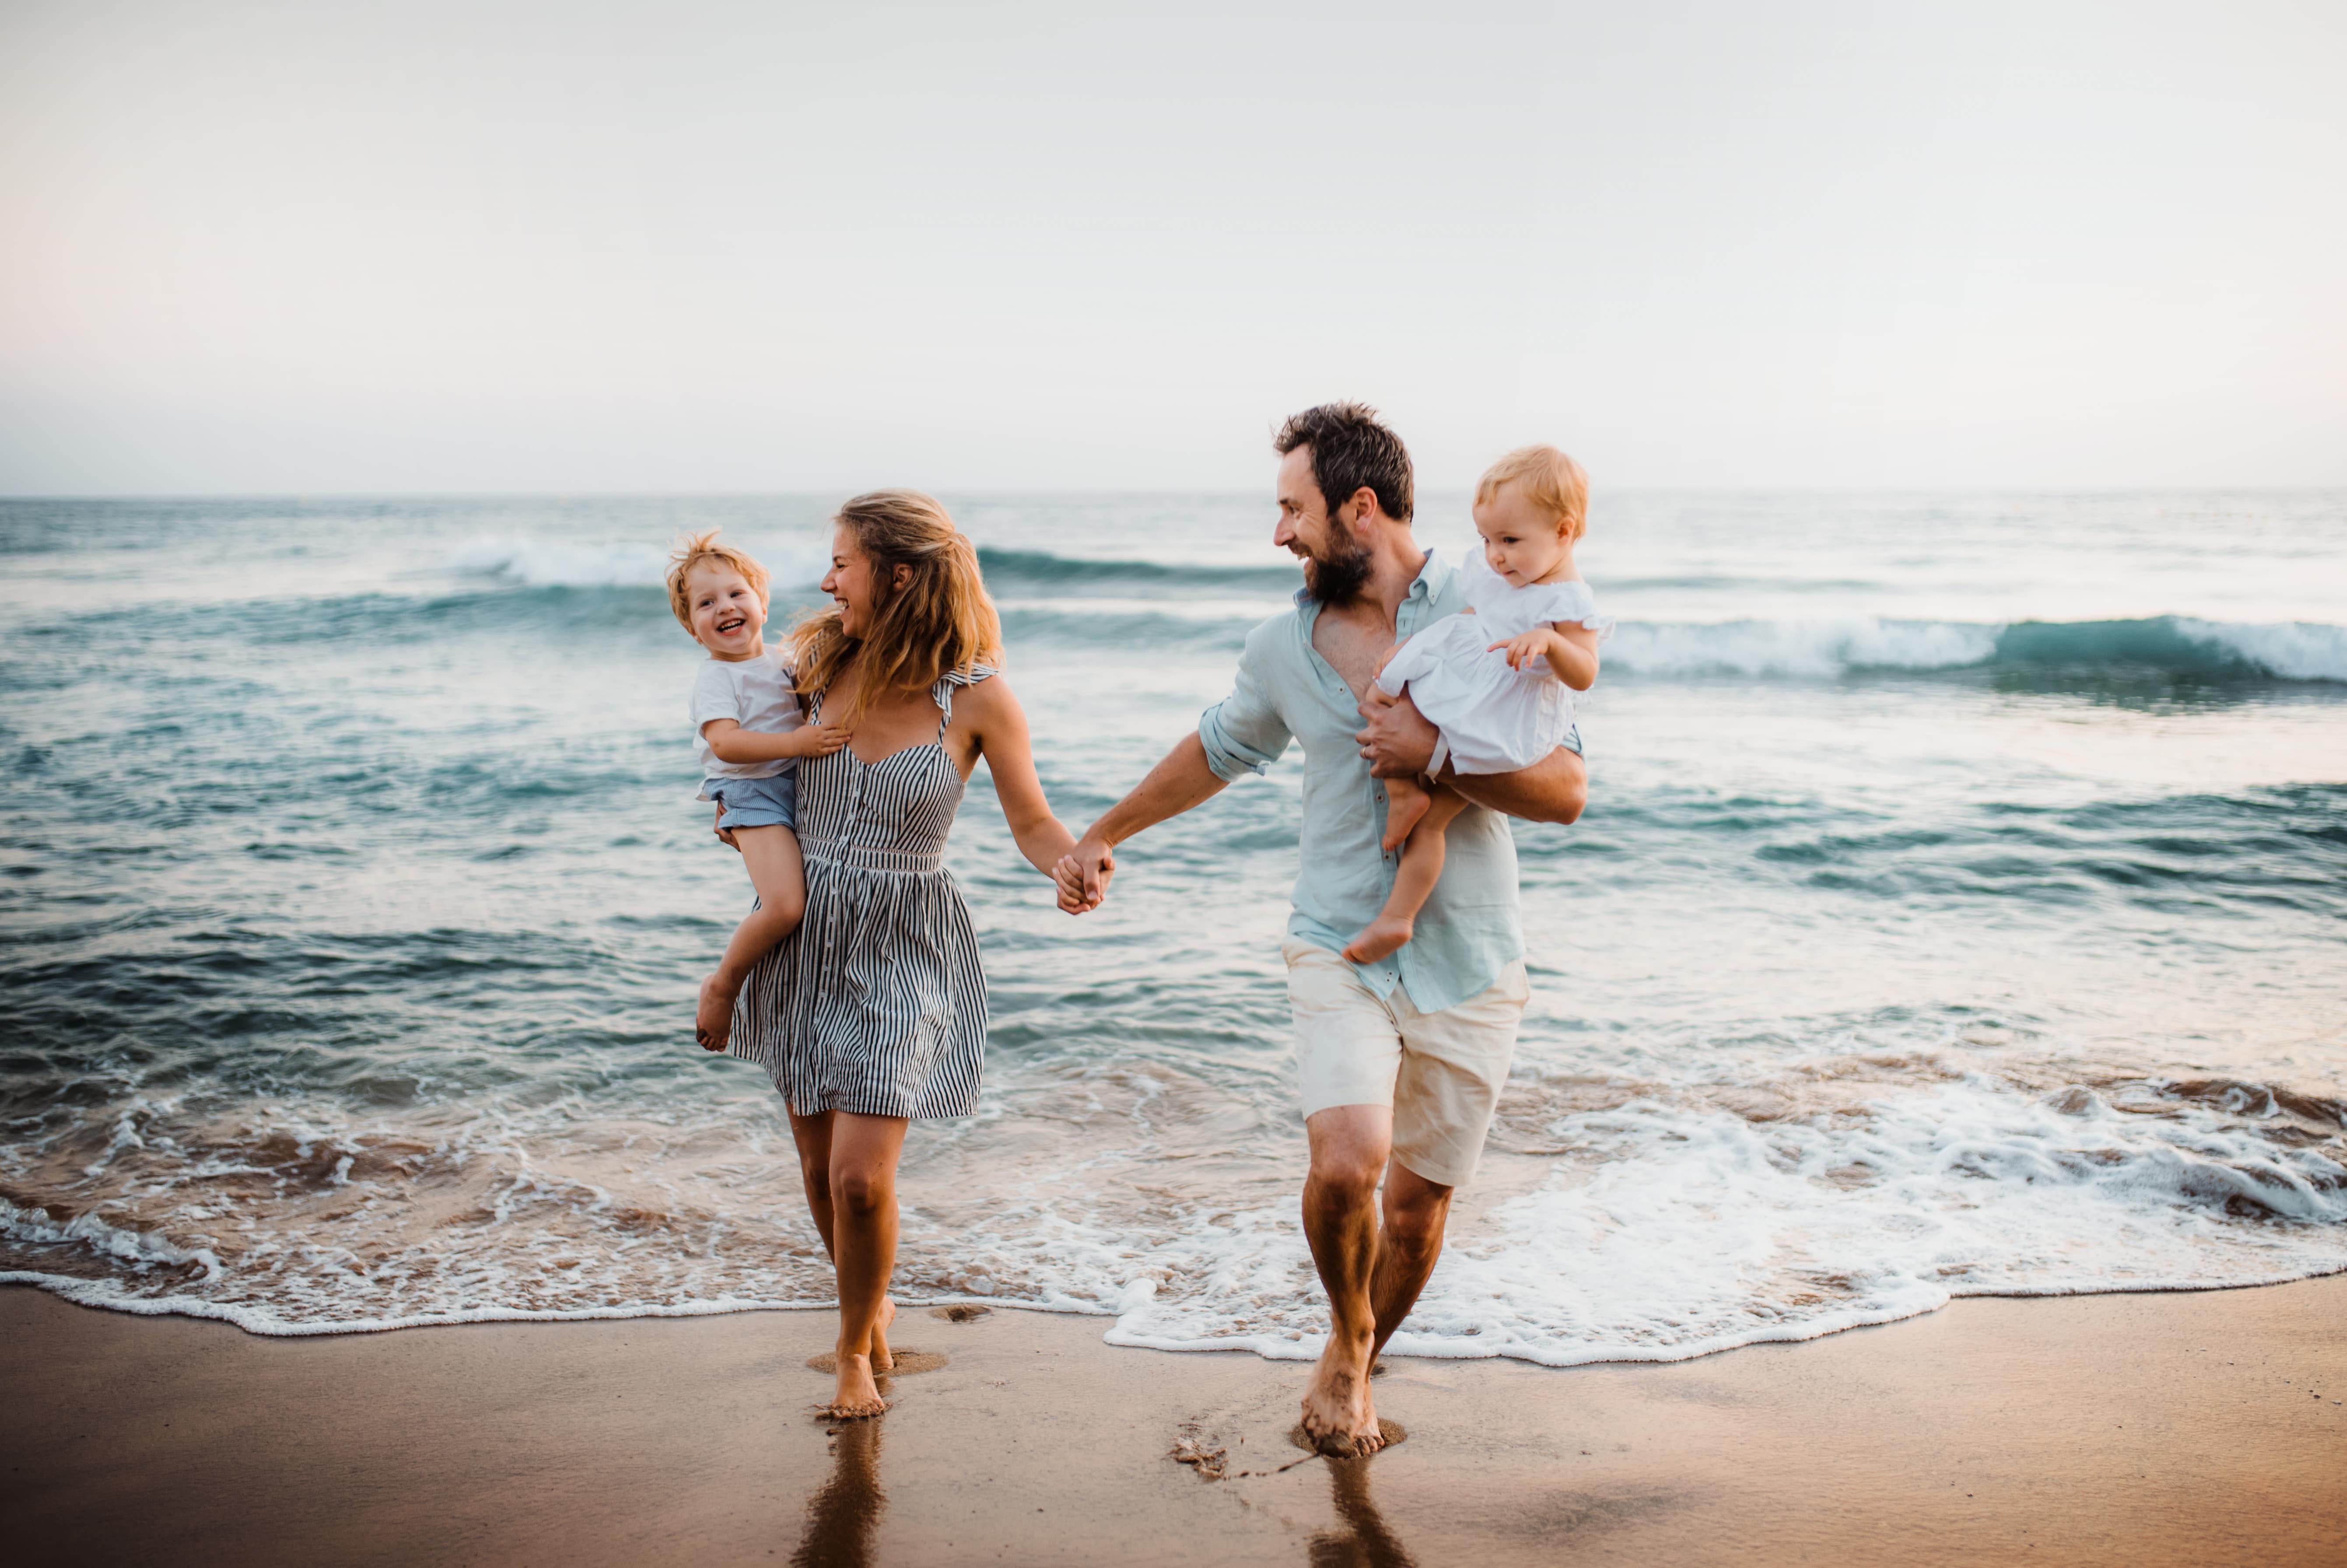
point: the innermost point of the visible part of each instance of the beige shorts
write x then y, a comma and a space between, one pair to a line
1441, 1071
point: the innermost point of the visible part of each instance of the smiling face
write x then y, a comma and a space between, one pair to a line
850, 584
728, 616
1336, 563
1524, 543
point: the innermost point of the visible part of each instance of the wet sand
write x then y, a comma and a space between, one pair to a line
2172, 1429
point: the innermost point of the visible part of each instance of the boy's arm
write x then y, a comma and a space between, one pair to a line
732, 744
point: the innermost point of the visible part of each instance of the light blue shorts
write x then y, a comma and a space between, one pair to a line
755, 802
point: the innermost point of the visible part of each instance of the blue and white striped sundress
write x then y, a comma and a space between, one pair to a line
877, 1005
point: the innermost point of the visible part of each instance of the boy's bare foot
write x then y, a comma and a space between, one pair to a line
1379, 937
857, 1395
882, 1360
712, 1019
1405, 809
1338, 1416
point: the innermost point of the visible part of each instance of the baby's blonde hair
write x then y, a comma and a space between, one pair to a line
698, 549
1553, 482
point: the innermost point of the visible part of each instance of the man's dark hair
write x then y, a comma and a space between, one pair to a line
1350, 448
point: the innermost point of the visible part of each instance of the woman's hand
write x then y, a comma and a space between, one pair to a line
1084, 875
1532, 647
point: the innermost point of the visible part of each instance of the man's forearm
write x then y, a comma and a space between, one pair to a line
1177, 784
1554, 789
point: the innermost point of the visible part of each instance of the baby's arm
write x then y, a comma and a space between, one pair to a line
732, 744
1569, 648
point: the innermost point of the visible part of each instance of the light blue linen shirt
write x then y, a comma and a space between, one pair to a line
1473, 926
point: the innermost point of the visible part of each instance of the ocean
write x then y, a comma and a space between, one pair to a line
1960, 909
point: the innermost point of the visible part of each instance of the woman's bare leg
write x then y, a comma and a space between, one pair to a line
1414, 880
854, 1202
814, 1136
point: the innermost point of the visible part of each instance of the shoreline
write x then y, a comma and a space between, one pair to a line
1308, 1347
2155, 1427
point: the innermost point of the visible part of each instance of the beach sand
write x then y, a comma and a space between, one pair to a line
2190, 1427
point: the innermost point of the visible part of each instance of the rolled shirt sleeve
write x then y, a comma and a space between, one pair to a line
1245, 733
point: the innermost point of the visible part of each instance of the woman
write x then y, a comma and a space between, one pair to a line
875, 1012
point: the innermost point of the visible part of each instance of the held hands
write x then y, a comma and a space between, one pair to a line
1532, 647
1083, 875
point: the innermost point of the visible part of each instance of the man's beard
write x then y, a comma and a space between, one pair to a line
1338, 576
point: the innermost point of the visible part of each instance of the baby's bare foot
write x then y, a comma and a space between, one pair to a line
1405, 809
712, 1019
1386, 933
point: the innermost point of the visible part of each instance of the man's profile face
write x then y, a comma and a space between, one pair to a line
1335, 565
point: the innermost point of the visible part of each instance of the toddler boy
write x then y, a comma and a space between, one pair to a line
745, 713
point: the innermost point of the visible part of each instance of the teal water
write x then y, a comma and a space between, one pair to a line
1962, 908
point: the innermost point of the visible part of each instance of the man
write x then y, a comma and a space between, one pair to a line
1401, 1061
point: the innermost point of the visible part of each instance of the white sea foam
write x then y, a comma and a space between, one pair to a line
1799, 647
2295, 651
796, 564
1668, 1225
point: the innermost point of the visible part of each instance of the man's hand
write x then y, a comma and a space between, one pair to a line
1396, 739
726, 835
1084, 875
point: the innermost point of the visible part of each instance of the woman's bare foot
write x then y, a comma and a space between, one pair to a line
881, 1360
1379, 937
1338, 1416
712, 1020
857, 1395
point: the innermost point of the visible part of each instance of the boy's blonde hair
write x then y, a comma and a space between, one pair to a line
1553, 481
698, 549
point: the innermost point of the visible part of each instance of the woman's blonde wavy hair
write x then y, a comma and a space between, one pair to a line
940, 622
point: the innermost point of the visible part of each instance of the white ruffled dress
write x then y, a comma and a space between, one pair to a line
1493, 720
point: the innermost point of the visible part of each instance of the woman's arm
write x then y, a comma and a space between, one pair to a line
732, 744
1570, 649
999, 724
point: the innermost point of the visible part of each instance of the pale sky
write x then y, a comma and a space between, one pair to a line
694, 247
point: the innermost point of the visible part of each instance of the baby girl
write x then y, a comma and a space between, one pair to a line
1498, 681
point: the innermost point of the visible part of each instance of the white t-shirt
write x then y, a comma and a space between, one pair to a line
756, 695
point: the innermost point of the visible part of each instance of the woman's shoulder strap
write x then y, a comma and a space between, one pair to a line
943, 691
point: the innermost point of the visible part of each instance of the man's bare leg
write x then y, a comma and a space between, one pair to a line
1416, 1211
1351, 1145
777, 872
859, 1200
1414, 880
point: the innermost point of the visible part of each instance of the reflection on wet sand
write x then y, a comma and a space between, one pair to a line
844, 1512
1361, 1539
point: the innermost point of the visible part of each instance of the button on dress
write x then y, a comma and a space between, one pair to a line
876, 1004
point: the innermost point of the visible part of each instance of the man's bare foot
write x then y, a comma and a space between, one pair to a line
1379, 937
1338, 1416
1405, 809
857, 1395
881, 1360
712, 1020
